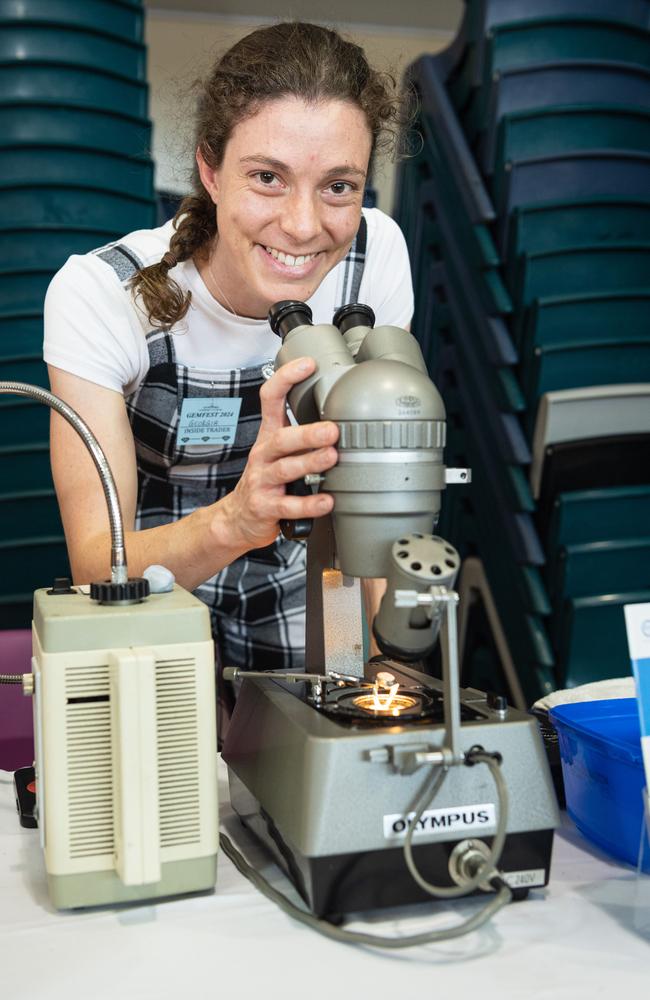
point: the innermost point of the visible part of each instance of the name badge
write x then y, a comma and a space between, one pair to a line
208, 420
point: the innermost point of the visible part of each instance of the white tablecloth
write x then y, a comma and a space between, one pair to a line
586, 936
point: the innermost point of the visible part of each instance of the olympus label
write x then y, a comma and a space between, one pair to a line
527, 879
439, 823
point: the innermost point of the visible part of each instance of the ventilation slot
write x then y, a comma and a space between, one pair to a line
178, 753
90, 784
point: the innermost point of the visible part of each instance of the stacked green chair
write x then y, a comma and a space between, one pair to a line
563, 85
75, 173
527, 215
590, 629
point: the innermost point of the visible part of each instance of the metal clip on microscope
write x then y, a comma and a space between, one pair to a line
358, 777
124, 726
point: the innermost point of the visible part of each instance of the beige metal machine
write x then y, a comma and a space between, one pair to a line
125, 728
126, 756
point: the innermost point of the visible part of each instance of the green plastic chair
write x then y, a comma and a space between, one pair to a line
23, 368
74, 206
37, 124
475, 238
74, 46
20, 512
483, 17
25, 468
431, 318
529, 135
587, 319
50, 165
572, 271
425, 253
21, 333
23, 424
503, 496
46, 81
48, 247
597, 515
592, 222
24, 291
588, 569
593, 642
571, 177
548, 85
551, 40
34, 561
121, 18
572, 365
591, 437
585, 516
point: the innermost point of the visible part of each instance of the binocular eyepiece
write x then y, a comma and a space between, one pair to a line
374, 384
287, 315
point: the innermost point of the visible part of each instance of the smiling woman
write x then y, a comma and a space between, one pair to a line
160, 340
288, 213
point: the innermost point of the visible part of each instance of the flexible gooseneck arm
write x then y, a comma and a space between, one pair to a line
119, 572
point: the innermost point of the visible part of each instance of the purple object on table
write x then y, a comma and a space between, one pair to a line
16, 724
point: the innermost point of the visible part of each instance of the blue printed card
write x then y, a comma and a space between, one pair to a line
208, 420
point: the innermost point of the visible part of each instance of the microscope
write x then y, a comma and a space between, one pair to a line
364, 780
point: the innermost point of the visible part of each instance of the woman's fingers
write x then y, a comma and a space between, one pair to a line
273, 393
292, 467
286, 441
291, 508
277, 439
281, 455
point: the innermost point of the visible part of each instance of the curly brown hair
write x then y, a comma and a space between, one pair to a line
293, 58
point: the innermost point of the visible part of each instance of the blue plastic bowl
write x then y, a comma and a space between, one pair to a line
602, 767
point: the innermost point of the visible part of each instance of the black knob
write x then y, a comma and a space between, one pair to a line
497, 702
131, 592
287, 315
62, 585
297, 529
302, 527
354, 314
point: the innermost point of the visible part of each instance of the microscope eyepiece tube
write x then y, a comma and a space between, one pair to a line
352, 315
287, 315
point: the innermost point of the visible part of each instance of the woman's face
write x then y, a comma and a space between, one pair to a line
288, 196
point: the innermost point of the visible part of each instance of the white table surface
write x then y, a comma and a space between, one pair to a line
586, 936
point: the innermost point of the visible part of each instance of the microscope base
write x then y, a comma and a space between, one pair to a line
329, 798
335, 885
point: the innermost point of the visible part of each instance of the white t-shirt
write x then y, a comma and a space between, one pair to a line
94, 330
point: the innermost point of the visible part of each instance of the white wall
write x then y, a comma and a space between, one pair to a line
182, 47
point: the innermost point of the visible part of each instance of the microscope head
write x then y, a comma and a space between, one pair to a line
373, 384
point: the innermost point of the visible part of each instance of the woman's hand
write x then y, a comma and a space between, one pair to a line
199, 545
282, 453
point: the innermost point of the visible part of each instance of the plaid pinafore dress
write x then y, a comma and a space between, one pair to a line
257, 603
